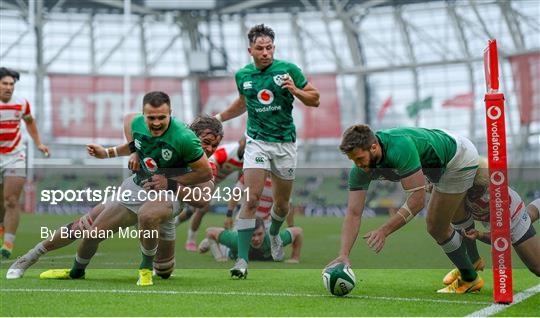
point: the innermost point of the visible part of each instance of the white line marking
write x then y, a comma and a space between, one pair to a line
233, 293
496, 308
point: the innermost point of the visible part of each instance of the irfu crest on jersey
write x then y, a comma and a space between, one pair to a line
166, 154
278, 79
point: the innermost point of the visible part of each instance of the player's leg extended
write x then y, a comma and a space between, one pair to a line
13, 186
151, 215
462, 222
254, 180
113, 216
281, 190
63, 236
441, 209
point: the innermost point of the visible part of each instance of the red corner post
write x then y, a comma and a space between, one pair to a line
501, 246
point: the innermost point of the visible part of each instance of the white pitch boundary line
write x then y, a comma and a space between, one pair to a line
232, 293
496, 308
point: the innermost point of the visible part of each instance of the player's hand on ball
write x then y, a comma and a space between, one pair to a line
339, 259
375, 240
96, 150
156, 182
133, 162
44, 149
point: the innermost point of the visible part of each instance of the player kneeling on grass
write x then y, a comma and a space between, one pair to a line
523, 234
259, 249
146, 129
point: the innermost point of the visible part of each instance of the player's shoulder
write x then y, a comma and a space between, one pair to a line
247, 69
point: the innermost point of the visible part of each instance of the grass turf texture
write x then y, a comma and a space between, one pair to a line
401, 281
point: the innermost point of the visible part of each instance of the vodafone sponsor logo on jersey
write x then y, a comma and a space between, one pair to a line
150, 164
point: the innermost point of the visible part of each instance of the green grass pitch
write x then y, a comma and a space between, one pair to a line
400, 281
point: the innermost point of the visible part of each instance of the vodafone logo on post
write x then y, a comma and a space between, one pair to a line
150, 164
501, 244
497, 178
494, 112
265, 96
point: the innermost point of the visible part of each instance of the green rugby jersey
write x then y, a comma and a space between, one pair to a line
229, 238
404, 152
168, 154
269, 106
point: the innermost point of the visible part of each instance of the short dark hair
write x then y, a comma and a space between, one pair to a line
258, 31
203, 122
258, 223
4, 71
357, 136
156, 99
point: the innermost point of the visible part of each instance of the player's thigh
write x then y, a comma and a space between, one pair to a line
281, 190
441, 209
13, 186
529, 252
254, 181
113, 216
157, 211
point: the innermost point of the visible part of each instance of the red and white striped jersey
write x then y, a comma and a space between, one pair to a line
11, 114
227, 161
479, 206
265, 202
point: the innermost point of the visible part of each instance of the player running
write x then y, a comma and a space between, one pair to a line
409, 155
522, 232
12, 156
259, 249
267, 89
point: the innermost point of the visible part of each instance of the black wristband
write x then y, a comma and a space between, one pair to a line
172, 185
132, 147
229, 213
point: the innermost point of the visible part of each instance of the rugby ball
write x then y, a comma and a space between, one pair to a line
339, 279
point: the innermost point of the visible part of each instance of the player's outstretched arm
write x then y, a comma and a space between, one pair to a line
237, 108
297, 240
414, 186
32, 129
351, 225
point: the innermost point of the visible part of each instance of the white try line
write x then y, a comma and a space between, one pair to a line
496, 308
232, 293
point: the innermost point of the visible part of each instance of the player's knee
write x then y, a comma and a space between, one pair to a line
164, 267
253, 201
146, 219
10, 203
438, 232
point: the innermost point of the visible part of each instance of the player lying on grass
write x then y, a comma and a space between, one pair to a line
524, 238
409, 155
259, 249
123, 217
